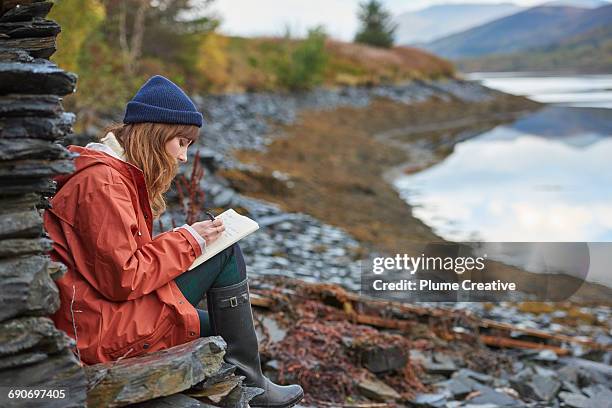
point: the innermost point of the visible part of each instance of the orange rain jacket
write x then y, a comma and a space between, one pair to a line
119, 285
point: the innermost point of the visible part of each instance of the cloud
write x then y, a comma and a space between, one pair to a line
269, 17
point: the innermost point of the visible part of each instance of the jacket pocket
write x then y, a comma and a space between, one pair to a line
144, 345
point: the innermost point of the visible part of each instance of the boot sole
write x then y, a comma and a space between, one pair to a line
288, 404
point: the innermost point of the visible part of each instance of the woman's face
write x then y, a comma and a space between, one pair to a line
177, 148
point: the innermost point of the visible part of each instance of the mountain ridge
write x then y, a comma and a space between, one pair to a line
536, 27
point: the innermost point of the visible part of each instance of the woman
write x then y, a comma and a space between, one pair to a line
126, 293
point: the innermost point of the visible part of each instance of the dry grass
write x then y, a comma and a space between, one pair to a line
249, 64
384, 65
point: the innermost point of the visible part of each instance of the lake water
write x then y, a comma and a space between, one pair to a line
590, 91
545, 177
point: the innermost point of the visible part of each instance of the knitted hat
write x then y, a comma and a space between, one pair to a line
162, 101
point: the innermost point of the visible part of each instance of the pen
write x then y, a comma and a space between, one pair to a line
212, 217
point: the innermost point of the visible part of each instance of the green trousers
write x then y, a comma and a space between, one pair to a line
224, 269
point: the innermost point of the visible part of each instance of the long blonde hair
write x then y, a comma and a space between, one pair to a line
144, 145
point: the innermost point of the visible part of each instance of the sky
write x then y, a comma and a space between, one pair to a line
270, 17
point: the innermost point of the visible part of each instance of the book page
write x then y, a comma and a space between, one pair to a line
236, 227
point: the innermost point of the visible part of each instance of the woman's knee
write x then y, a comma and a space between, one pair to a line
239, 256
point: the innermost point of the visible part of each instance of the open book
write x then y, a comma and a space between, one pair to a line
236, 227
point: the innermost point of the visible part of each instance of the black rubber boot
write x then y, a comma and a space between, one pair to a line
229, 308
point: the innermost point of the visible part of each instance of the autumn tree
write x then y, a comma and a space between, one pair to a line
376, 25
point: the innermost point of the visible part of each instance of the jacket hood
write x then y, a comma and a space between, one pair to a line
108, 153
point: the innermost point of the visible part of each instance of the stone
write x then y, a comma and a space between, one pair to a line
38, 47
595, 389
22, 359
28, 169
377, 390
23, 224
48, 128
224, 198
24, 11
546, 355
18, 149
571, 387
26, 287
14, 105
441, 364
490, 396
13, 55
31, 333
429, 400
41, 78
456, 387
56, 270
173, 401
480, 377
545, 388
574, 400
239, 397
379, 358
154, 375
10, 204
60, 371
599, 372
225, 372
36, 27
218, 390
602, 398
22, 246
24, 186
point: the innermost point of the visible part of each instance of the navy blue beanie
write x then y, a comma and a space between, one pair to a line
162, 101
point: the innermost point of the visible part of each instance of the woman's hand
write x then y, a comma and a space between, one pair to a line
209, 230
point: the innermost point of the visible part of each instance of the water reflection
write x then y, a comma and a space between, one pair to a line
545, 178
579, 90
514, 184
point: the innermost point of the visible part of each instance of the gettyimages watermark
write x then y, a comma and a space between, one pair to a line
486, 271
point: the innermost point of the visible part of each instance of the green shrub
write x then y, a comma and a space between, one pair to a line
301, 65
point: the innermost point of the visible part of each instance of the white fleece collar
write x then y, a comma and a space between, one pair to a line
109, 145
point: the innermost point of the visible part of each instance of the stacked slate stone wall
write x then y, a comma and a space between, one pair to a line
34, 355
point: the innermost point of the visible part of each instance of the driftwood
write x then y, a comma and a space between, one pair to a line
154, 375
487, 323
26, 287
351, 302
39, 78
498, 341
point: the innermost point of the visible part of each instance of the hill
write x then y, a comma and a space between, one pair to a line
250, 64
577, 3
533, 28
441, 20
590, 52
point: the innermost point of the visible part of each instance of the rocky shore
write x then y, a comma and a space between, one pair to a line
310, 169
248, 123
252, 151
